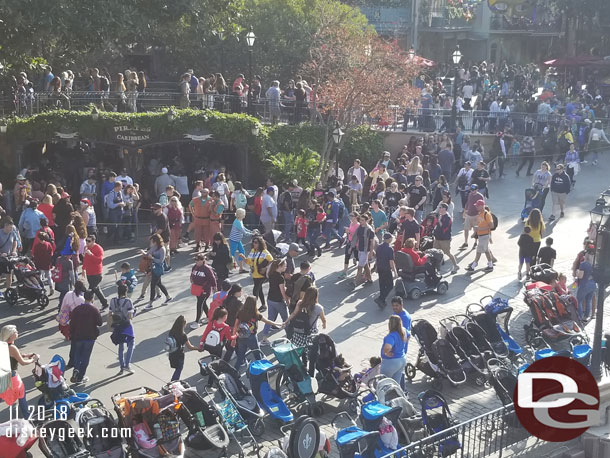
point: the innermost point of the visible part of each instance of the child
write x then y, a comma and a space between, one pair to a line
43, 258
367, 373
341, 369
560, 284
88, 213
128, 278
315, 228
300, 223
238, 231
516, 149
218, 298
217, 333
526, 251
547, 254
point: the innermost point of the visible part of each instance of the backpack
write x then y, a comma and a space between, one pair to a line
241, 201
564, 144
494, 219
300, 323
213, 338
243, 330
462, 180
170, 345
57, 274
294, 287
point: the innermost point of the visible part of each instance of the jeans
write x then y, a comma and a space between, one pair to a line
82, 354
115, 215
177, 373
94, 285
585, 295
312, 236
155, 282
394, 368
419, 214
275, 309
330, 229
386, 283
243, 345
125, 359
258, 289
288, 224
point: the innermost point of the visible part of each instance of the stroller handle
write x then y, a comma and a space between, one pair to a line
342, 415
280, 341
86, 402
256, 351
473, 305
489, 296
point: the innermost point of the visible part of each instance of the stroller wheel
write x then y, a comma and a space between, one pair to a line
410, 371
317, 410
415, 294
43, 301
352, 407
258, 427
442, 288
11, 296
480, 380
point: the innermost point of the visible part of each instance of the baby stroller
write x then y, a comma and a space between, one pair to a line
554, 316
333, 381
466, 348
29, 285
58, 439
410, 283
388, 392
294, 380
17, 436
375, 416
267, 398
436, 357
427, 232
437, 418
480, 320
103, 439
224, 377
304, 439
503, 380
276, 249
56, 396
153, 420
353, 441
204, 429
533, 199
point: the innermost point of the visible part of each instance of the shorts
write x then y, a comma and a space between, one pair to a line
363, 258
5, 266
483, 245
443, 245
236, 246
526, 259
470, 222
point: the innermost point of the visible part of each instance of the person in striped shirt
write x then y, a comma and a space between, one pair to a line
238, 231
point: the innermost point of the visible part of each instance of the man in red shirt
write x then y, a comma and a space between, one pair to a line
92, 266
43, 257
471, 213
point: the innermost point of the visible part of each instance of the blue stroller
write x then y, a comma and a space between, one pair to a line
501, 311
267, 398
437, 418
533, 199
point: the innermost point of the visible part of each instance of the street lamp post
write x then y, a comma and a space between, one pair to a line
457, 57
221, 37
600, 216
411, 53
250, 37
337, 136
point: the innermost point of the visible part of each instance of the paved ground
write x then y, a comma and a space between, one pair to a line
354, 320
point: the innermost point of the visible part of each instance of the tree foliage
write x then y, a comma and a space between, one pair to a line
301, 165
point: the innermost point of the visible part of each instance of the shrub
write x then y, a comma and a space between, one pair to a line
301, 165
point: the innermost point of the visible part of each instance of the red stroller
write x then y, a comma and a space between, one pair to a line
16, 438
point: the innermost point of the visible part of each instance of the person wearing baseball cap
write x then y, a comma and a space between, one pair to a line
293, 251
385, 268
387, 162
483, 228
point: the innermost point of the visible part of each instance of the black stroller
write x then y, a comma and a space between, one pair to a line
483, 327
437, 418
436, 357
467, 349
58, 439
271, 239
223, 376
104, 439
29, 285
333, 382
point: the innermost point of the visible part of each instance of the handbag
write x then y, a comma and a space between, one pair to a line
196, 290
145, 264
157, 269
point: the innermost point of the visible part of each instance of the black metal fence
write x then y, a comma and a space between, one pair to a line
486, 435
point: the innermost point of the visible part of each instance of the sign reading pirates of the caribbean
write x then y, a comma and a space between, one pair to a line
131, 135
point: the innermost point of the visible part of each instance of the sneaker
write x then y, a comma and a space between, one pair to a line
380, 302
157, 297
489, 267
552, 218
262, 308
140, 298
494, 260
82, 381
594, 162
464, 245
73, 379
120, 372
561, 215
368, 282
455, 269
149, 306
167, 300
105, 306
129, 371
194, 325
342, 275
471, 267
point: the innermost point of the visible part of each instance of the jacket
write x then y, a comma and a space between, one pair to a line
560, 183
129, 279
43, 255
204, 276
92, 263
29, 223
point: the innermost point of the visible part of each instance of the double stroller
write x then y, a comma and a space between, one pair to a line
226, 379
410, 284
437, 358
154, 422
28, 286
553, 316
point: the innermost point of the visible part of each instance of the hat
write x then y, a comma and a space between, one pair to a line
474, 187
85, 201
588, 121
386, 153
20, 177
330, 193
294, 247
270, 188
156, 205
479, 203
387, 236
164, 170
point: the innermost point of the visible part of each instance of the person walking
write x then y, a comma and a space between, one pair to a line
120, 317
386, 269
542, 182
92, 267
16, 392
393, 350
63, 277
269, 209
29, 224
42, 254
236, 236
594, 142
586, 285
277, 298
536, 224
572, 161
200, 208
526, 251
233, 304
175, 343
561, 185
527, 153
175, 216
462, 183
442, 234
203, 283
221, 257
363, 242
483, 228
303, 320
258, 259
85, 321
157, 253
471, 213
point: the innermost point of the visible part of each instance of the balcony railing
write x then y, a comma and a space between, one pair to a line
444, 18
522, 24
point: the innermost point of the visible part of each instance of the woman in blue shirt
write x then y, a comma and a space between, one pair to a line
586, 287
394, 350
